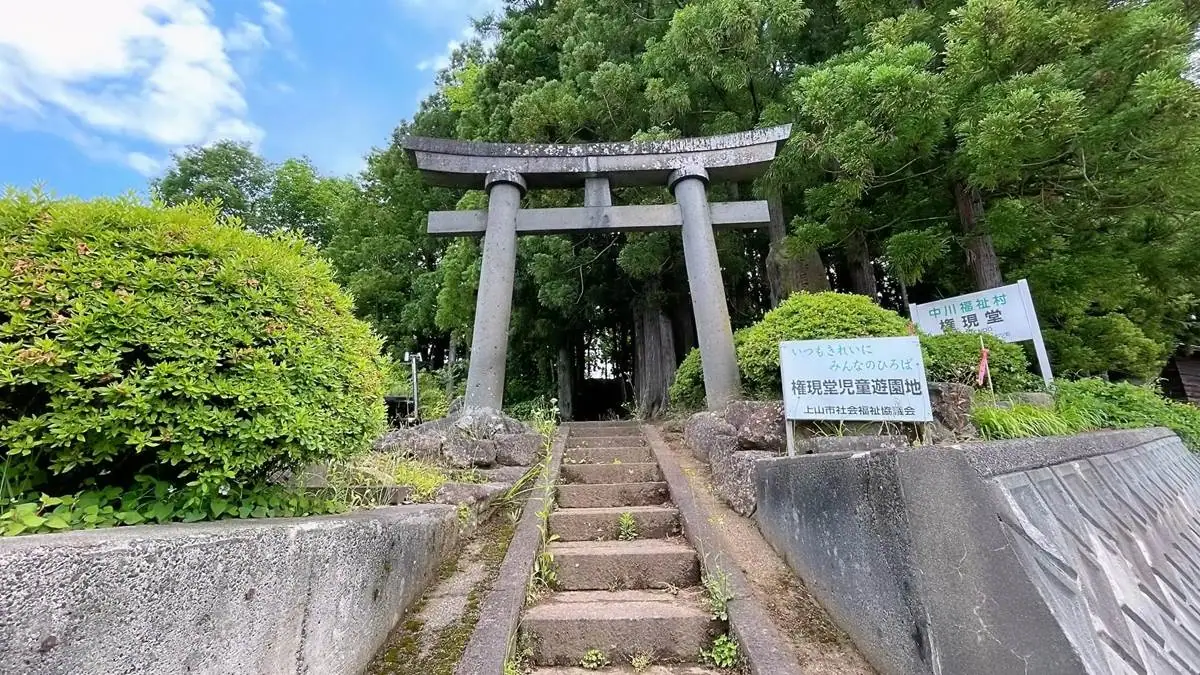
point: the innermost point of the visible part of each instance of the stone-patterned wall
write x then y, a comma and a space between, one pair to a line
1112, 543
1056, 556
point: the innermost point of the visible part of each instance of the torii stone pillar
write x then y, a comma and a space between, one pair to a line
722, 382
493, 304
685, 166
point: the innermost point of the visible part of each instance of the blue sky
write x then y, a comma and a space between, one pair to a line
96, 94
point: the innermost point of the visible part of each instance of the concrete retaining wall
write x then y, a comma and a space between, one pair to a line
1059, 555
312, 595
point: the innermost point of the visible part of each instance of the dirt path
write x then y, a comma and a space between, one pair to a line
431, 637
820, 645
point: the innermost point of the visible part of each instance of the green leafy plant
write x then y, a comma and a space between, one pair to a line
641, 662
722, 654
1088, 405
1110, 405
954, 357
717, 593
545, 574
541, 413
593, 659
627, 529
1020, 421
144, 346
152, 501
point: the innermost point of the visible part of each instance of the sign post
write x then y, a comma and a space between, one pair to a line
860, 379
1006, 312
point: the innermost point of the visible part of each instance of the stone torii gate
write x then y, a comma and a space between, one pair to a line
685, 166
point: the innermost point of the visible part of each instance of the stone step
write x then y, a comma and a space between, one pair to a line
630, 670
617, 565
622, 625
624, 455
642, 472
600, 524
574, 441
592, 432
619, 424
583, 495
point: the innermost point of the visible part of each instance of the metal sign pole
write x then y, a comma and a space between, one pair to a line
1039, 345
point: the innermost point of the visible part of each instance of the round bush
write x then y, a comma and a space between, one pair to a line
801, 316
954, 357
141, 345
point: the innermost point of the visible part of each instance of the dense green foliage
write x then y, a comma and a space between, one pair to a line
938, 148
806, 316
1089, 405
266, 198
954, 357
162, 365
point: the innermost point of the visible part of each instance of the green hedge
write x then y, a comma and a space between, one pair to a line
953, 357
158, 364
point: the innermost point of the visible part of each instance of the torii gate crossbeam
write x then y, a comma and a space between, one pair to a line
685, 166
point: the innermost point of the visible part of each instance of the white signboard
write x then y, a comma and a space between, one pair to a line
861, 379
1006, 312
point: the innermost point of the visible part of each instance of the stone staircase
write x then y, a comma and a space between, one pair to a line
626, 602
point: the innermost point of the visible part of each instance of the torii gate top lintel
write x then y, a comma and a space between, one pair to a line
730, 157
686, 166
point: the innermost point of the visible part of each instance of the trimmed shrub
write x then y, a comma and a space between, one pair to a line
802, 316
158, 354
954, 357
687, 390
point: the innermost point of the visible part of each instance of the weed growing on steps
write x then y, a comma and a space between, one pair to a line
544, 575
626, 527
641, 662
718, 592
723, 654
594, 659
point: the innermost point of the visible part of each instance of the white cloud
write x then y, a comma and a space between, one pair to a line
275, 16
246, 36
143, 163
152, 72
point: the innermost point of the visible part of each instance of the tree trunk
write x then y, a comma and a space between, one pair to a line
860, 266
981, 255
566, 382
685, 330
654, 362
786, 274
451, 357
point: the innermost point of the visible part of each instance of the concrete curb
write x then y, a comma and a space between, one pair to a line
757, 636
500, 612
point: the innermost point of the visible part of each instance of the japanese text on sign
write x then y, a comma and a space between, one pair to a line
857, 379
1003, 312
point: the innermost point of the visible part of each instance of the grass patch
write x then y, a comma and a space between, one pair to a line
1091, 405
387, 469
